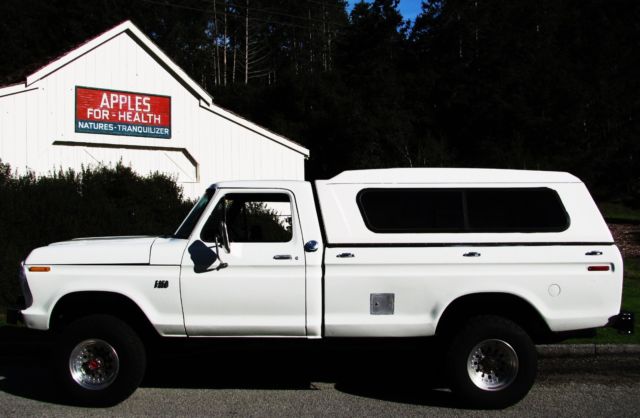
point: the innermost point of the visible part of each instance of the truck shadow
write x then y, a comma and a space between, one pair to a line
380, 371
24, 361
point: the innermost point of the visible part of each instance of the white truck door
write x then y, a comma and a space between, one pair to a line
261, 290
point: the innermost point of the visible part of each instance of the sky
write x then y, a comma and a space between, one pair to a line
409, 8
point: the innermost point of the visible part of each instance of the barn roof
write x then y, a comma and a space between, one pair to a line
206, 101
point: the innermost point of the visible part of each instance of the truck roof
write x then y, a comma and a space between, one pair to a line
270, 184
451, 175
421, 175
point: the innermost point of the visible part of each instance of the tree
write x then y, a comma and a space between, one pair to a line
542, 84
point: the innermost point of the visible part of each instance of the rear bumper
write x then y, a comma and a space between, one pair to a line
624, 322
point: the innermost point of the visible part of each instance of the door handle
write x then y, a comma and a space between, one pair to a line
345, 255
282, 257
593, 253
471, 254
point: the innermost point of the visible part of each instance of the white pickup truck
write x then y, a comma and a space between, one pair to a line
489, 262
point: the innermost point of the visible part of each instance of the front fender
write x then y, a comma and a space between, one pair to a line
161, 304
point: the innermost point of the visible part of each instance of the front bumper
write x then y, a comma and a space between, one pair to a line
25, 300
624, 322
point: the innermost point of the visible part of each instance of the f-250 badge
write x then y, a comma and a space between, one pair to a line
161, 284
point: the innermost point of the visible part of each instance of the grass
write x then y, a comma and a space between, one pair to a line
619, 212
630, 302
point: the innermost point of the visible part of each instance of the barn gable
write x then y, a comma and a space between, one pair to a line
119, 97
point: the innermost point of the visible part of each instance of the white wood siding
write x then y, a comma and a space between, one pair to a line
38, 125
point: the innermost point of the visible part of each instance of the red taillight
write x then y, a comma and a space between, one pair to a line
598, 268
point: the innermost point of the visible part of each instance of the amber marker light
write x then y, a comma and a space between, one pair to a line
41, 269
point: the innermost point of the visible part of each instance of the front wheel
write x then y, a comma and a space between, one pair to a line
99, 360
492, 362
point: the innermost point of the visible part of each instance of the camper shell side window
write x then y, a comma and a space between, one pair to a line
462, 210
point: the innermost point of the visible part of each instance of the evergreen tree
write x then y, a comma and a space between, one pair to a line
536, 84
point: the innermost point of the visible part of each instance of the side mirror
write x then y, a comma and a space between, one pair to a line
202, 256
224, 236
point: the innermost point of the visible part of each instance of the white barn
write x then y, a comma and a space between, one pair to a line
119, 97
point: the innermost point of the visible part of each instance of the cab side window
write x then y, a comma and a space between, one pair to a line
251, 217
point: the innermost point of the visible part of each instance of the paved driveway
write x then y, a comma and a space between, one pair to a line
260, 379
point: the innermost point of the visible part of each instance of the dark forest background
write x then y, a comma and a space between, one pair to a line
529, 84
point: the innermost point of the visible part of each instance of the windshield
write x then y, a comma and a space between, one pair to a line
185, 229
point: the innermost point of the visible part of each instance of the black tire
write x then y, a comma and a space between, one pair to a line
116, 361
500, 340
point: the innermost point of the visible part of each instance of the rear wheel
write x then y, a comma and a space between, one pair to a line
492, 362
99, 360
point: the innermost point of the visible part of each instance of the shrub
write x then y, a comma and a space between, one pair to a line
35, 211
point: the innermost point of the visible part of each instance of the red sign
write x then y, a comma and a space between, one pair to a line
122, 113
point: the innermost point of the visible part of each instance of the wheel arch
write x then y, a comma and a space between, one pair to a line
506, 305
75, 305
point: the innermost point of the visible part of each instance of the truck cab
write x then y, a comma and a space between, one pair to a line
254, 269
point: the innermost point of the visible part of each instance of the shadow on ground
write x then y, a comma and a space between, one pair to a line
375, 369
24, 359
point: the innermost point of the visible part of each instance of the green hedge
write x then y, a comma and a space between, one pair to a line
36, 211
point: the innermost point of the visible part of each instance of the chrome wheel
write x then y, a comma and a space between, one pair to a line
492, 365
94, 364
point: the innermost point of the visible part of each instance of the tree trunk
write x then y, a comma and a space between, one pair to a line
246, 44
233, 71
330, 65
224, 62
310, 41
324, 36
216, 60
